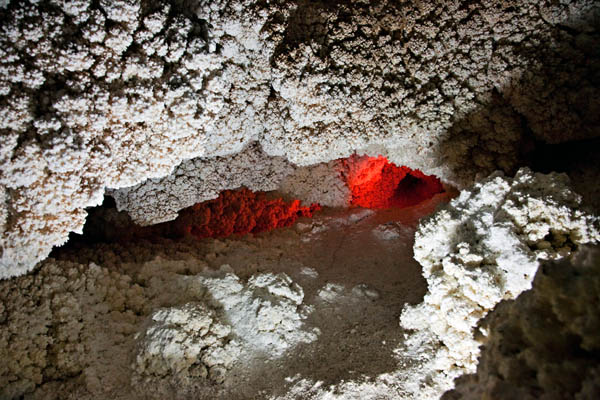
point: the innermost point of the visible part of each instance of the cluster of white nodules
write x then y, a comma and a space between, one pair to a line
203, 178
188, 343
321, 183
97, 94
108, 93
233, 319
266, 313
75, 320
543, 344
484, 247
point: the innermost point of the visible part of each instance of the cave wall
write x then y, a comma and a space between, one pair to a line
107, 94
544, 344
483, 248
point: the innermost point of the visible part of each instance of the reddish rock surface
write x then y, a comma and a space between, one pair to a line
377, 183
241, 211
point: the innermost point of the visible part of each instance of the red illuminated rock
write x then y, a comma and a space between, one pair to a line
377, 183
373, 181
238, 212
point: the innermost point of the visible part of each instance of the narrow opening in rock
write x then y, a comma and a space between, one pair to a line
377, 183
368, 182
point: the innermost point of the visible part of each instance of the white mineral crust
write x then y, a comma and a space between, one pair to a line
107, 94
484, 247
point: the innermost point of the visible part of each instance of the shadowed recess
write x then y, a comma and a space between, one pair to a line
377, 183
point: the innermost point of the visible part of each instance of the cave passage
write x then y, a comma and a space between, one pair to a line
377, 183
374, 183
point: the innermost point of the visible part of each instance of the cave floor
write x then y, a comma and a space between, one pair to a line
356, 270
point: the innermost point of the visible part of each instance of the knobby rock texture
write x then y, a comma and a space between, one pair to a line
198, 180
106, 94
240, 212
559, 313
485, 246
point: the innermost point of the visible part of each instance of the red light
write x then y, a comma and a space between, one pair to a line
238, 212
373, 181
377, 183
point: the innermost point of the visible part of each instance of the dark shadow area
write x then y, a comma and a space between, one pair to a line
413, 190
565, 157
234, 212
546, 117
578, 159
111, 238
105, 224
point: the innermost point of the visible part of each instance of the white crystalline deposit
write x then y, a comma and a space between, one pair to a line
331, 292
188, 343
200, 179
137, 329
266, 314
545, 343
484, 247
106, 94
67, 320
321, 183
444, 86
97, 94
394, 231
233, 319
336, 294
416, 82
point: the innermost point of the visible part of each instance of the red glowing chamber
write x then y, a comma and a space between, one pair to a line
373, 181
377, 183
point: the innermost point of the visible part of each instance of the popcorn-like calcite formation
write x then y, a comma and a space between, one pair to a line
186, 343
321, 183
485, 247
138, 328
237, 212
110, 93
545, 343
233, 320
107, 94
201, 179
61, 328
266, 313
198, 180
